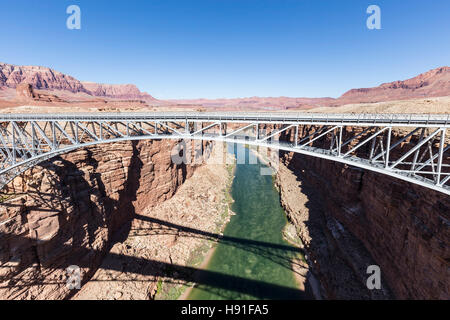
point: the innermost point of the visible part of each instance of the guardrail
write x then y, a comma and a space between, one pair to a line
366, 118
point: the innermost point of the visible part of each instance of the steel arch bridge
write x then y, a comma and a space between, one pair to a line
410, 147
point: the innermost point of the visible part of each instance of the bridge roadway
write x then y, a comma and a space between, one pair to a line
367, 141
362, 119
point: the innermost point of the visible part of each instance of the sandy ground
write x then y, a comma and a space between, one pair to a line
428, 105
425, 105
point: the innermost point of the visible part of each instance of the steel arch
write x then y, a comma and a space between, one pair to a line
420, 155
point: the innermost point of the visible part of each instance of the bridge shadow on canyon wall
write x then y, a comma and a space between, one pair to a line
69, 246
339, 258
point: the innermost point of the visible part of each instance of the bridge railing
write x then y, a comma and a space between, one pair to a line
441, 119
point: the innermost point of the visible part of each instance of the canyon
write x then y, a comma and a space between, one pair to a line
126, 214
165, 239
90, 207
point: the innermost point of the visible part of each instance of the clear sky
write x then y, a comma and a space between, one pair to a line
229, 48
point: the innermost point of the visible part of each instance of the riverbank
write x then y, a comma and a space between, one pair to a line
177, 232
206, 258
202, 266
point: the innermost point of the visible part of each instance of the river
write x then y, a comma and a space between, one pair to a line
252, 253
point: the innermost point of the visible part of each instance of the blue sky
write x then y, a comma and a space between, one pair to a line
229, 48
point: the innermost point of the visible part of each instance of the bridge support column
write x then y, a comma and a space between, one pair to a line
388, 148
341, 128
296, 136
441, 154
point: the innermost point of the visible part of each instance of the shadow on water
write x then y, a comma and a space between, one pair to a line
184, 274
273, 251
252, 246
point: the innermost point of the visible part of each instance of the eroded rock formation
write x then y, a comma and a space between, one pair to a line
43, 78
26, 93
433, 83
66, 211
349, 218
116, 91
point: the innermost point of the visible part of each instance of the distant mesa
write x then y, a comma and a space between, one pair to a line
42, 78
33, 83
116, 91
39, 77
434, 83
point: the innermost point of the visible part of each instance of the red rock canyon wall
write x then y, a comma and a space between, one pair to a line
358, 217
67, 210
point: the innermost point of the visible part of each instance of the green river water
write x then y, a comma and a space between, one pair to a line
252, 261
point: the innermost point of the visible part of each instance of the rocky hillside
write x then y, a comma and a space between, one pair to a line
42, 78
116, 91
349, 218
434, 83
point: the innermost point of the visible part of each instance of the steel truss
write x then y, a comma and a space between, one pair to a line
414, 148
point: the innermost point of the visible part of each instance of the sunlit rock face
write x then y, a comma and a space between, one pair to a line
357, 217
43, 78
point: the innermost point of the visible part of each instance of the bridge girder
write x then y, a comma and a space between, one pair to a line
413, 148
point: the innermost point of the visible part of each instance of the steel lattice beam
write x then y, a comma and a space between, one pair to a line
369, 141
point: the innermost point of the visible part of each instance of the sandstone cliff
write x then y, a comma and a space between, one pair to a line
39, 77
67, 210
43, 78
433, 83
116, 91
349, 218
26, 93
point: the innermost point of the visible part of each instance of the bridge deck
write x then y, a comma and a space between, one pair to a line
419, 155
366, 119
